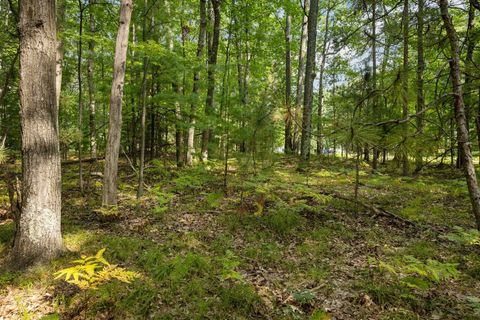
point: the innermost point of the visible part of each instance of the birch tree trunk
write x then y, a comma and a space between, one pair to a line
115, 123
38, 237
462, 131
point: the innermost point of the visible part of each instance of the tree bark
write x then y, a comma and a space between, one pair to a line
212, 62
420, 70
374, 78
38, 237
115, 123
59, 52
321, 84
405, 24
196, 82
301, 73
288, 146
80, 95
462, 131
309, 77
91, 84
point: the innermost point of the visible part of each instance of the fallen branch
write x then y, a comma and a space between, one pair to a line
68, 162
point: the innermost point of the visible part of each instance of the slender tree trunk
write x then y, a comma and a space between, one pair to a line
212, 62
405, 24
420, 93
80, 96
374, 78
91, 84
462, 136
144, 107
288, 84
115, 124
38, 236
301, 74
309, 77
196, 81
321, 83
59, 52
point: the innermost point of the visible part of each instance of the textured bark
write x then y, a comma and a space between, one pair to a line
321, 84
309, 77
301, 73
212, 62
405, 23
91, 84
288, 146
115, 123
462, 131
196, 82
420, 92
38, 237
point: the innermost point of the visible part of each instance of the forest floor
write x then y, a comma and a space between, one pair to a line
278, 244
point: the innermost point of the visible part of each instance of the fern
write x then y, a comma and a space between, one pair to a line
91, 271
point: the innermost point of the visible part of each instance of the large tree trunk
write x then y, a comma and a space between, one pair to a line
309, 77
38, 237
301, 74
288, 146
115, 124
91, 84
320, 83
212, 62
196, 81
405, 24
462, 131
420, 93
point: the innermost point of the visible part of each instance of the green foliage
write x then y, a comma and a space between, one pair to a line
282, 220
164, 200
229, 264
192, 179
464, 237
420, 275
90, 272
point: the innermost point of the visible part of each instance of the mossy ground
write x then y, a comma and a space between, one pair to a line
271, 246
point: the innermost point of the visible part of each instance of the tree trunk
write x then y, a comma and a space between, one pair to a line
374, 78
80, 96
144, 107
320, 83
301, 73
309, 77
405, 24
420, 93
212, 62
462, 132
91, 84
288, 84
59, 50
196, 81
115, 124
38, 237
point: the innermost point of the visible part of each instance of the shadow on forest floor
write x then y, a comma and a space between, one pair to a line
275, 245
